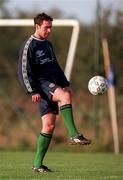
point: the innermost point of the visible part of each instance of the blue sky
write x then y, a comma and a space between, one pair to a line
84, 10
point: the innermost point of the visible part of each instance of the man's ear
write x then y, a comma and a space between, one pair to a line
37, 26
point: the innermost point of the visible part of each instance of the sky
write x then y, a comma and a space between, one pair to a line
83, 10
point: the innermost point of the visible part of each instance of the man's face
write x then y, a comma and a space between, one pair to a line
44, 29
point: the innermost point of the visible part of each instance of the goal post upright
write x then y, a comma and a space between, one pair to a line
57, 22
111, 96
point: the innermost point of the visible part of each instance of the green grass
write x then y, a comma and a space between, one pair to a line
77, 166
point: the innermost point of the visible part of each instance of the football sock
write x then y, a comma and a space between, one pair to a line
67, 114
42, 146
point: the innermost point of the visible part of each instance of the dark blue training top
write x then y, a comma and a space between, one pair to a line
37, 63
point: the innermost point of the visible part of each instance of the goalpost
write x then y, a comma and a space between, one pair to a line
56, 22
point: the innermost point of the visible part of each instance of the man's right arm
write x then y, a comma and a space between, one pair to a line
27, 70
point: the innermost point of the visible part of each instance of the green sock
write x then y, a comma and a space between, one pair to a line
42, 146
67, 114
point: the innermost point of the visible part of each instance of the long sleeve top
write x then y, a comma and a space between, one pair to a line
37, 63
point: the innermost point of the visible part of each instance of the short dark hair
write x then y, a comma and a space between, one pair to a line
40, 17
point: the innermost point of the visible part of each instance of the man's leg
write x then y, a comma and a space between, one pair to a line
42, 146
48, 124
67, 114
64, 98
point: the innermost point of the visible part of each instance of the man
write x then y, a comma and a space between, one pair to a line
42, 77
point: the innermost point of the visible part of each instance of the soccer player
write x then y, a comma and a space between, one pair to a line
42, 77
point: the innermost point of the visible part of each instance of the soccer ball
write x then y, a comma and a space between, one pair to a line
97, 85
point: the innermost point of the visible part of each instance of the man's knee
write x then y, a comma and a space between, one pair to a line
48, 123
66, 96
49, 128
62, 95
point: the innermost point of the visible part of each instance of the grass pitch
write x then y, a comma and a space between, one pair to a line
67, 165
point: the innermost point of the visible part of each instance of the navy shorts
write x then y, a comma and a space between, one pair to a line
46, 104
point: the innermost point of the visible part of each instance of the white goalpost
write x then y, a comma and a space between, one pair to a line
57, 22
